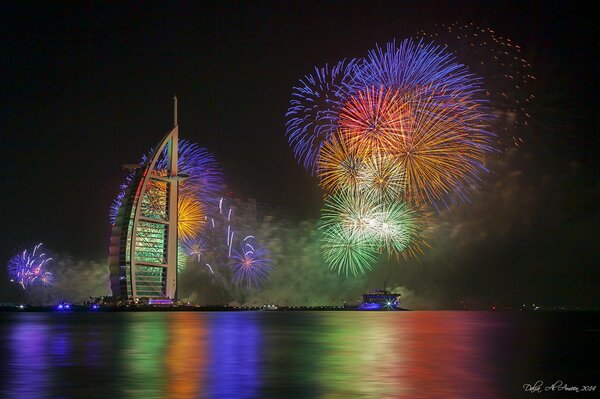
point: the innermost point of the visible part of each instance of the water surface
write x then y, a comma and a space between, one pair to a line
295, 354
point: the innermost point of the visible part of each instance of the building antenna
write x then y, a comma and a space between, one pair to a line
174, 111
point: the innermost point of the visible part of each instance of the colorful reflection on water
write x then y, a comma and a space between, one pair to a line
274, 355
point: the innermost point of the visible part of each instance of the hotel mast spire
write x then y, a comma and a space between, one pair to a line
174, 111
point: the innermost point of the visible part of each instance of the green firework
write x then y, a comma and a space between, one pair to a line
346, 251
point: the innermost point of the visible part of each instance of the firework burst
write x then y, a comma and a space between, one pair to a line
355, 213
196, 248
381, 178
338, 167
395, 226
28, 268
346, 251
251, 264
190, 217
372, 120
314, 109
443, 148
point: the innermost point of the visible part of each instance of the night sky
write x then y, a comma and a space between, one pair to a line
87, 87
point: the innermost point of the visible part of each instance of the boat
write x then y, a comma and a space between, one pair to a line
380, 300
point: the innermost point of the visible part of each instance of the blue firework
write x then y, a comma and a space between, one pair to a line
116, 204
414, 65
29, 268
251, 264
205, 179
196, 248
314, 108
204, 182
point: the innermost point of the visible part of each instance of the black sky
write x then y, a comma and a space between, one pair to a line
86, 87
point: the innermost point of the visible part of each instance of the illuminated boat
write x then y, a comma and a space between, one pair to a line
380, 300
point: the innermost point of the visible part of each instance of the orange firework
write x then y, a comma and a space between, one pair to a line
337, 166
190, 213
442, 145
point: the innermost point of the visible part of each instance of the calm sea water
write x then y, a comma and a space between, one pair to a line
296, 354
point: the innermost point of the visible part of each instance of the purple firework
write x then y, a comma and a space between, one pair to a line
251, 264
28, 268
195, 248
414, 64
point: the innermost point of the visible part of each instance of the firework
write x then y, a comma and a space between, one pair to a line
28, 268
251, 263
181, 259
314, 109
195, 248
346, 251
415, 65
382, 178
443, 149
353, 212
338, 167
116, 204
204, 180
441, 136
198, 250
409, 128
395, 226
383, 225
190, 217
372, 120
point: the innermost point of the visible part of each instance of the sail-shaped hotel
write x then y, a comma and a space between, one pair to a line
143, 245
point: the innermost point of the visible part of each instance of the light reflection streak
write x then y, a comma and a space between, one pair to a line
185, 359
28, 366
144, 354
234, 356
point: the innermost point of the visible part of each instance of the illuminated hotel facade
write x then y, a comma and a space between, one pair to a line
143, 245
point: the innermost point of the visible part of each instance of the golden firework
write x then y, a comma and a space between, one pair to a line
190, 217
